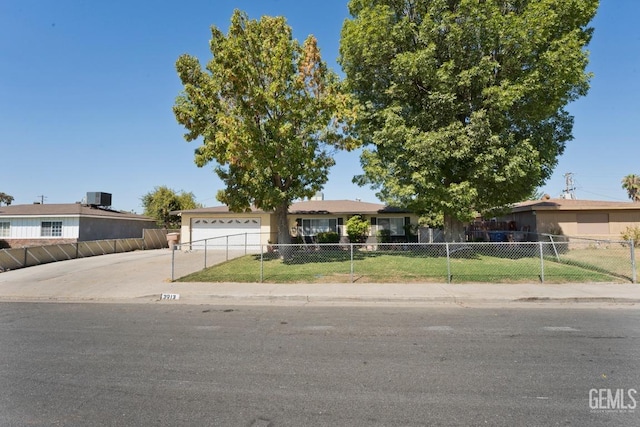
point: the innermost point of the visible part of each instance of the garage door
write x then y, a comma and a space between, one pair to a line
220, 232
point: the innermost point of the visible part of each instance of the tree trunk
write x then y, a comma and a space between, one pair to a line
284, 237
453, 229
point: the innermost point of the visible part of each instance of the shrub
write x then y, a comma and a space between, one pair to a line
384, 236
357, 229
632, 233
328, 237
411, 232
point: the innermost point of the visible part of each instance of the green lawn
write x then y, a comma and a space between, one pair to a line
398, 267
615, 260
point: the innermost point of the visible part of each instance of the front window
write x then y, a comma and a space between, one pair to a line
51, 229
313, 226
5, 229
394, 225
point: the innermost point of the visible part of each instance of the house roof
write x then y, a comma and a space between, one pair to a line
334, 206
215, 210
340, 207
314, 207
66, 209
572, 205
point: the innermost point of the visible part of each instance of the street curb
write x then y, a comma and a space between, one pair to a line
314, 299
581, 299
227, 299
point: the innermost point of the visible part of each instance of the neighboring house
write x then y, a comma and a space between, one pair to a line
44, 224
580, 218
306, 219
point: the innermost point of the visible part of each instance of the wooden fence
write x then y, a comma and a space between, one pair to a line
14, 258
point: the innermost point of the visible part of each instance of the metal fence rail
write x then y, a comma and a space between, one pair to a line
555, 261
194, 256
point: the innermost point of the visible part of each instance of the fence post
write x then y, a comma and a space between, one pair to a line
351, 245
541, 264
448, 264
173, 259
26, 253
115, 246
261, 263
245, 243
205, 252
633, 261
227, 248
555, 250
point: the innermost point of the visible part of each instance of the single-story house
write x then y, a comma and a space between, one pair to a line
45, 224
570, 217
306, 219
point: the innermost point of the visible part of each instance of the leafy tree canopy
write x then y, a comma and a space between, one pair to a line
160, 202
6, 199
269, 112
464, 100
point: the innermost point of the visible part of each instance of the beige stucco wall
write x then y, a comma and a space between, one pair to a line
556, 222
620, 220
567, 221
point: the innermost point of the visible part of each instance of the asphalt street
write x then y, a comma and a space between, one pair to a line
168, 365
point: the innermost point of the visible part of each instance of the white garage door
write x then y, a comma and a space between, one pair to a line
220, 232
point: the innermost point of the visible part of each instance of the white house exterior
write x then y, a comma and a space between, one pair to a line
43, 224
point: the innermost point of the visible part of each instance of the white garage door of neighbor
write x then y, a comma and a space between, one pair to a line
239, 230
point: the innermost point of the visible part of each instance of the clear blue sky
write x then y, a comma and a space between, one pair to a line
86, 90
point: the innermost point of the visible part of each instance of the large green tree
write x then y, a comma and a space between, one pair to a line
6, 199
160, 202
464, 100
269, 113
631, 183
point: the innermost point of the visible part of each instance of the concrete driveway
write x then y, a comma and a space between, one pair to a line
126, 275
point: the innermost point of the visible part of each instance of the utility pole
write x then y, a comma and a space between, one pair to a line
569, 191
42, 197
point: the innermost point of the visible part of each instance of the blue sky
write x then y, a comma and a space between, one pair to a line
86, 90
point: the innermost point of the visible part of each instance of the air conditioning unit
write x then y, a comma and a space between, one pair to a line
99, 199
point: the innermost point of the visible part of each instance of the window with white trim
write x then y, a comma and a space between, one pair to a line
313, 226
394, 225
51, 229
5, 229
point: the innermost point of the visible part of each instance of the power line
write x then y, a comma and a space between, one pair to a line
605, 196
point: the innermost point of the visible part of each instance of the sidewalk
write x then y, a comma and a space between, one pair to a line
144, 276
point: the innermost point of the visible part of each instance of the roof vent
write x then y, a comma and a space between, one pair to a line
99, 199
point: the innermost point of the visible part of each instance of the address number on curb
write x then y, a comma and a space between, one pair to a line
170, 296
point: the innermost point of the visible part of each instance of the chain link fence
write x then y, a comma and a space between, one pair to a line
559, 259
615, 257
